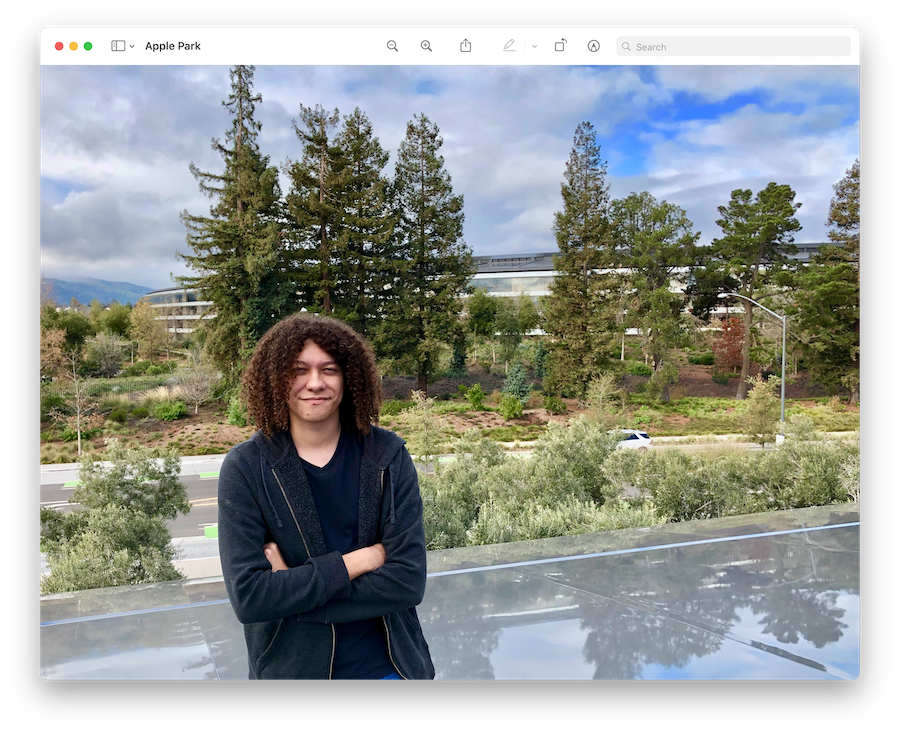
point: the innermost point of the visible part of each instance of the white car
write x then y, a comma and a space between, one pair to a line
636, 439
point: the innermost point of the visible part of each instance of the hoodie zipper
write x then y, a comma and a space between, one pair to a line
291, 509
387, 634
306, 547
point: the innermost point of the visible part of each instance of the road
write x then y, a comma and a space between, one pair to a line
202, 494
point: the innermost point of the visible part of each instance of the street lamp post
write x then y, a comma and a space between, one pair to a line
783, 320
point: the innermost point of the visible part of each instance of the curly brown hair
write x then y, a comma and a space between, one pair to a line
267, 379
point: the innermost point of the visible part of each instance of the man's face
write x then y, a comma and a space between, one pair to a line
317, 388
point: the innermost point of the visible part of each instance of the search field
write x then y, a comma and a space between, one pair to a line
733, 46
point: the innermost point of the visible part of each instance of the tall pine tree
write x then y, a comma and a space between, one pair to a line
657, 243
237, 249
578, 310
431, 264
367, 225
314, 204
757, 238
827, 296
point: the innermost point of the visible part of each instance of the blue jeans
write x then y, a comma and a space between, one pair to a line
392, 676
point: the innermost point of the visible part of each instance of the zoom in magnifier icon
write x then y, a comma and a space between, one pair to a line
392, 45
426, 45
626, 46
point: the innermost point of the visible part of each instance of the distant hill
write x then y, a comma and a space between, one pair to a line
89, 288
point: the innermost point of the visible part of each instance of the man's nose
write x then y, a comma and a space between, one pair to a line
315, 380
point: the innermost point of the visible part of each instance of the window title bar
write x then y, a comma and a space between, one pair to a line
442, 46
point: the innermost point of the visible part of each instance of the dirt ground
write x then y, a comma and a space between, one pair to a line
208, 431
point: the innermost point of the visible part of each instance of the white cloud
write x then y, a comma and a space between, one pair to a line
122, 139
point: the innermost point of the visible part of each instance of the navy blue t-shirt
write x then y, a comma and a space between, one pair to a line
360, 649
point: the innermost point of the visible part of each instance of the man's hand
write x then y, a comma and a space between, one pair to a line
364, 560
273, 555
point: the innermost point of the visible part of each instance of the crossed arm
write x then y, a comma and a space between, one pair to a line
358, 562
386, 577
374, 581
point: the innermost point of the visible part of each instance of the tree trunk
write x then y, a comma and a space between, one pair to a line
423, 384
664, 388
745, 354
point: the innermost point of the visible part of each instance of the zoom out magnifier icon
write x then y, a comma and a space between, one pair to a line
392, 45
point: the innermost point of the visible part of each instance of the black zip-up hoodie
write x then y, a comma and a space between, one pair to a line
288, 616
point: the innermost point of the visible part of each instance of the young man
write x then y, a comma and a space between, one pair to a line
320, 518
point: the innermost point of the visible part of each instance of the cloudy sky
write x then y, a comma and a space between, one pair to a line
116, 143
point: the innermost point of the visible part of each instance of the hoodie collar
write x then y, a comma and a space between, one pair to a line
380, 448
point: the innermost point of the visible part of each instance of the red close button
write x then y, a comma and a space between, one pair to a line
59, 46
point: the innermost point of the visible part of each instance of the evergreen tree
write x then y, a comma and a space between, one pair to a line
657, 241
367, 226
577, 312
482, 311
843, 215
430, 262
315, 206
757, 237
515, 317
827, 296
237, 249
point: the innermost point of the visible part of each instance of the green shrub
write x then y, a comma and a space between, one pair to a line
169, 411
462, 389
140, 412
513, 433
395, 407
69, 435
687, 487
475, 395
236, 412
119, 533
531, 520
517, 384
444, 517
800, 427
554, 404
510, 407
802, 473
720, 377
89, 368
119, 415
539, 360
707, 359
640, 370
568, 460
137, 369
50, 402
154, 370
451, 500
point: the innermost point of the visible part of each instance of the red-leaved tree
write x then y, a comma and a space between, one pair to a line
728, 345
